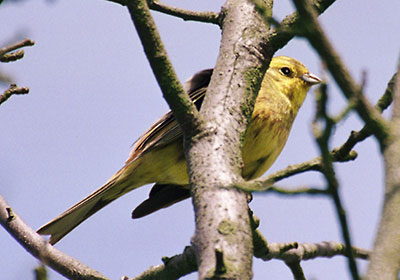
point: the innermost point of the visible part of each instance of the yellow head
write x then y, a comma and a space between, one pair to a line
291, 78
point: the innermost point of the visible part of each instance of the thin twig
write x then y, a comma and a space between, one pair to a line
12, 56
207, 17
315, 164
294, 251
18, 45
41, 249
297, 191
281, 35
13, 89
352, 91
358, 136
322, 137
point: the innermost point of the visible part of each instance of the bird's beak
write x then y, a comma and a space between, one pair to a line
311, 78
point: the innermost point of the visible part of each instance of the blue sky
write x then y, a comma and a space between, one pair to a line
92, 94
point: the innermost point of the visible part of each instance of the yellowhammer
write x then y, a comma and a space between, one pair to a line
157, 156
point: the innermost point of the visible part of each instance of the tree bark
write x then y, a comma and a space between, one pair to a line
223, 239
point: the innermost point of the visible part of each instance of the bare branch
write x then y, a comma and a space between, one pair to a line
322, 136
297, 191
295, 252
207, 17
13, 89
179, 101
385, 258
185, 263
316, 36
41, 249
8, 54
173, 268
359, 136
18, 45
284, 32
315, 164
13, 56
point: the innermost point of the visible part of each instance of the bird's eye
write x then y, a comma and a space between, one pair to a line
286, 71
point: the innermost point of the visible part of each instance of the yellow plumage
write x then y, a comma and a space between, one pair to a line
157, 156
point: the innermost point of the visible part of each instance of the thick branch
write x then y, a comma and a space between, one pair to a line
183, 108
385, 260
41, 249
223, 238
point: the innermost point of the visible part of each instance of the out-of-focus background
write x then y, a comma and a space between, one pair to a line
92, 94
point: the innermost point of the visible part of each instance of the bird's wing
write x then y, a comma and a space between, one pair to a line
166, 130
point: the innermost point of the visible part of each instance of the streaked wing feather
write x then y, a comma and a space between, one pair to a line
166, 130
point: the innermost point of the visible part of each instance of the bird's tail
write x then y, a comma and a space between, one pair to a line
75, 215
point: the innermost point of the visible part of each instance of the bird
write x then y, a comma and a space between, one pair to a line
158, 156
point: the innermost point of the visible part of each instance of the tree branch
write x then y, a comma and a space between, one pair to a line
385, 258
294, 252
13, 56
352, 91
315, 164
7, 55
284, 32
181, 105
223, 238
297, 191
322, 136
13, 89
41, 249
207, 17
173, 268
18, 45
